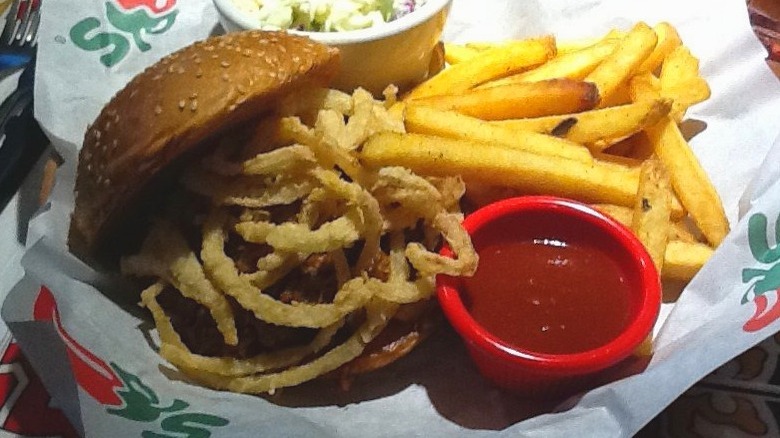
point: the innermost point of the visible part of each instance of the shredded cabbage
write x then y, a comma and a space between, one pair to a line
325, 15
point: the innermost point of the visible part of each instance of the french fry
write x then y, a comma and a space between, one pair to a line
491, 64
681, 231
485, 163
572, 65
668, 40
683, 256
597, 129
481, 46
450, 124
624, 60
689, 180
652, 210
680, 80
679, 66
525, 99
691, 183
574, 45
684, 259
624, 215
456, 53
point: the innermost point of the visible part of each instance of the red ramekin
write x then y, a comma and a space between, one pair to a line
538, 374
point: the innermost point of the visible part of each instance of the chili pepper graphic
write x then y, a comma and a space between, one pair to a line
138, 18
766, 280
123, 393
156, 6
762, 317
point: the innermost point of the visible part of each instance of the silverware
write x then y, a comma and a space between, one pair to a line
21, 139
21, 24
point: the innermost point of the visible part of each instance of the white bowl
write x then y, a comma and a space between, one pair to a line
399, 52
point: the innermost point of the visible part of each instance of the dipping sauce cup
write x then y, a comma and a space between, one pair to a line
562, 294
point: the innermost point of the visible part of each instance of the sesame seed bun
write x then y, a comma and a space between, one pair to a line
173, 107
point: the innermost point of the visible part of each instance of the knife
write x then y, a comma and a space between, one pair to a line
22, 139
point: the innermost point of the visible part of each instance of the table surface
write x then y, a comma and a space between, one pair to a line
740, 399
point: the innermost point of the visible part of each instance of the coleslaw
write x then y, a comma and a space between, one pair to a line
325, 15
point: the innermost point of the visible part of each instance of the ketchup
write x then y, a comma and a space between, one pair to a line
549, 296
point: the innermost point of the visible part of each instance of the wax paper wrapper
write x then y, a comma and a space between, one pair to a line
94, 348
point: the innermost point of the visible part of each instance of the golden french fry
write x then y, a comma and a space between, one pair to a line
572, 65
490, 64
680, 262
525, 99
691, 183
644, 86
568, 46
686, 94
682, 232
679, 66
680, 80
624, 60
646, 347
668, 40
485, 163
456, 53
689, 180
651, 221
450, 124
481, 46
597, 129
684, 259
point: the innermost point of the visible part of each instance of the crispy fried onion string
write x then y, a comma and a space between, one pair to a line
165, 254
222, 271
278, 214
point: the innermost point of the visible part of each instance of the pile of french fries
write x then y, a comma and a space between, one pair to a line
598, 121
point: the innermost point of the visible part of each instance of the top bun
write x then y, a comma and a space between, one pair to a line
175, 105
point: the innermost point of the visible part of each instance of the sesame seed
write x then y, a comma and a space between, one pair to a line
232, 107
224, 64
199, 73
158, 110
194, 105
182, 104
180, 70
225, 77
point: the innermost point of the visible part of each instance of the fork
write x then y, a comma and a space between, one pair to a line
20, 33
21, 24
